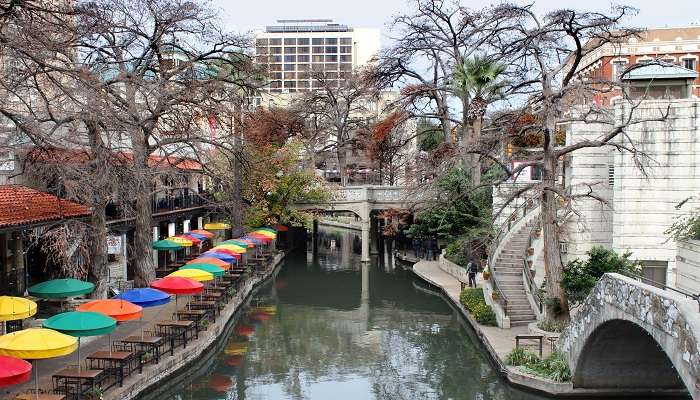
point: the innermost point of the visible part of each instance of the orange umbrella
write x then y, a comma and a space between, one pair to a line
203, 232
210, 260
121, 310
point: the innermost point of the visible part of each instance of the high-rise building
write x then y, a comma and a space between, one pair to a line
295, 50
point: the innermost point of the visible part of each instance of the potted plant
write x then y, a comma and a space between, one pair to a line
494, 296
536, 233
530, 251
486, 274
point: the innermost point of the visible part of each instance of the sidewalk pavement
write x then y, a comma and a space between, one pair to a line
501, 340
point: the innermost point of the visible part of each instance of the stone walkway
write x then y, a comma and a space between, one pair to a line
501, 340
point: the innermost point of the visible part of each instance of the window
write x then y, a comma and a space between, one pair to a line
689, 63
346, 41
290, 41
275, 50
332, 58
346, 67
535, 173
618, 67
275, 67
317, 50
331, 67
346, 58
290, 75
346, 49
303, 41
290, 84
302, 67
261, 42
276, 59
275, 42
303, 50
290, 59
654, 272
331, 40
317, 41
301, 58
261, 50
303, 75
331, 49
289, 67
276, 75
611, 175
303, 84
317, 58
290, 50
317, 67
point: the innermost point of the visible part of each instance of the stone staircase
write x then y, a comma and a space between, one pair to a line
508, 270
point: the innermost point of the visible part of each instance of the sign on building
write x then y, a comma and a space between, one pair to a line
114, 244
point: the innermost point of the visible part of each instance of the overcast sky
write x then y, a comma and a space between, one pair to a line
247, 15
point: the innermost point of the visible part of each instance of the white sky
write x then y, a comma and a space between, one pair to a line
247, 15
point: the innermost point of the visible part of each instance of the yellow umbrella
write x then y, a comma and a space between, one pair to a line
181, 241
36, 344
14, 308
194, 274
216, 226
232, 247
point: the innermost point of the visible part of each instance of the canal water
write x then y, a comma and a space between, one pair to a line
329, 328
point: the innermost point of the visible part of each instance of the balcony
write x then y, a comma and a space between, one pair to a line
163, 205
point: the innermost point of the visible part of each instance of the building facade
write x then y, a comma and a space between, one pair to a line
294, 50
680, 46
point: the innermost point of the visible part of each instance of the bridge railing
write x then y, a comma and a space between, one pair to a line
373, 193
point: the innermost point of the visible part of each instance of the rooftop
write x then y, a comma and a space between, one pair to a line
658, 70
306, 25
20, 205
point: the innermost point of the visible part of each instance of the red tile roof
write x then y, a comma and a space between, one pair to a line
20, 205
80, 156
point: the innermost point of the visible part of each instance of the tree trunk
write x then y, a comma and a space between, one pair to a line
342, 166
475, 163
98, 250
144, 270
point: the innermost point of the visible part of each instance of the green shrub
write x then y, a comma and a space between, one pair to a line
473, 300
553, 367
521, 356
551, 326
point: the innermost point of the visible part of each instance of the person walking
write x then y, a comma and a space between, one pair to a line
416, 247
472, 269
429, 248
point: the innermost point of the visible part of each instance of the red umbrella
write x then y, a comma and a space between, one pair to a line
178, 285
192, 239
220, 383
281, 228
203, 232
14, 371
245, 330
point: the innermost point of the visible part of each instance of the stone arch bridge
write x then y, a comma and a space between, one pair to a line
636, 338
362, 200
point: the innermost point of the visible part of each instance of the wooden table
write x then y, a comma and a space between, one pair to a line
151, 343
83, 380
195, 316
212, 296
174, 328
41, 396
120, 362
210, 306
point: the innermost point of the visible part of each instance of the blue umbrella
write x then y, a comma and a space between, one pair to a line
145, 297
198, 236
221, 256
254, 240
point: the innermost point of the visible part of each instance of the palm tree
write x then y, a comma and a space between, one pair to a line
477, 82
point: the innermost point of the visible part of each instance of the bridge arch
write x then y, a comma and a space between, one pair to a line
632, 336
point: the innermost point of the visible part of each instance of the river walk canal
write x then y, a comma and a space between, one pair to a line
330, 328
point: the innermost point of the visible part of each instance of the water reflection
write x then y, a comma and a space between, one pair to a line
330, 328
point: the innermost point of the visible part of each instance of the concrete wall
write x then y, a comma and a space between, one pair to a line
688, 266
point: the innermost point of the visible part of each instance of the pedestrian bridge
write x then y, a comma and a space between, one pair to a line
362, 200
634, 337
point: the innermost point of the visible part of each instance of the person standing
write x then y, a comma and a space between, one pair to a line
416, 247
471, 273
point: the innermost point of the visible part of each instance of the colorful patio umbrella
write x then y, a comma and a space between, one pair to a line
197, 236
220, 383
167, 245
210, 260
240, 242
231, 253
245, 330
258, 241
236, 349
202, 232
267, 234
178, 285
14, 308
194, 274
14, 371
61, 288
260, 236
210, 268
180, 240
281, 228
267, 228
192, 238
217, 226
37, 344
234, 248
81, 323
121, 310
221, 256
144, 297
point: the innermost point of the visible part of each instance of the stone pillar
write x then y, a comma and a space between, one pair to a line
171, 229
365, 240
200, 223
186, 226
156, 234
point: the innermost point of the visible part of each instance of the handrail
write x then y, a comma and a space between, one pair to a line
500, 296
534, 290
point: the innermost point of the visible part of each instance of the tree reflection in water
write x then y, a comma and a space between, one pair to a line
334, 329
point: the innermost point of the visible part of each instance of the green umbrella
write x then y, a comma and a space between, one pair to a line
267, 229
61, 288
211, 268
166, 244
81, 323
236, 242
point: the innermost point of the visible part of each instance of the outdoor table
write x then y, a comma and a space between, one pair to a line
41, 396
211, 296
225, 292
192, 315
173, 329
210, 306
69, 378
152, 343
120, 362
175, 265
